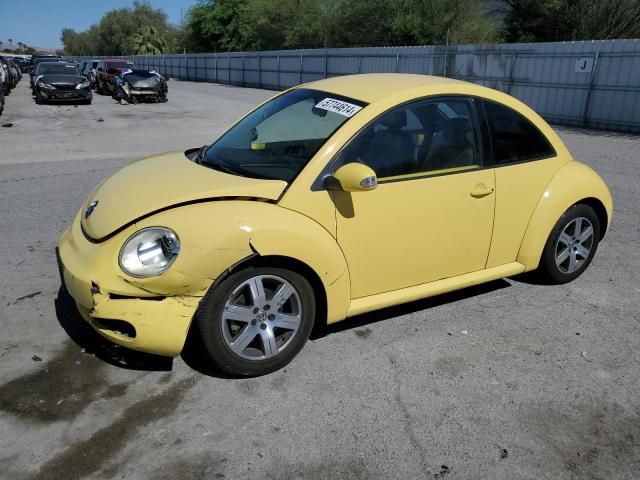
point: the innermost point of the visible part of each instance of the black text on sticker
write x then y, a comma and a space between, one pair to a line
338, 106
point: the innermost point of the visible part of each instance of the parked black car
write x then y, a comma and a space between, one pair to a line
135, 86
22, 64
33, 66
16, 67
61, 82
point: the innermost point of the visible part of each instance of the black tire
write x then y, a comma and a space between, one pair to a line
549, 270
209, 321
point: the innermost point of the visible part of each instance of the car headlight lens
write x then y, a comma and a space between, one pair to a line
84, 84
46, 86
149, 252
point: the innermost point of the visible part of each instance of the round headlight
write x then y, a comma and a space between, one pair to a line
149, 252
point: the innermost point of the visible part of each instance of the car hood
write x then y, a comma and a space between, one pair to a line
58, 79
162, 182
139, 81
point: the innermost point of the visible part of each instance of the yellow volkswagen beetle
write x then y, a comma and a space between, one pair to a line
332, 199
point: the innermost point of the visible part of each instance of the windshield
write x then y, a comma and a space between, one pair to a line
278, 139
58, 69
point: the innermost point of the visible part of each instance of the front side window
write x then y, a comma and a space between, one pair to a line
513, 137
278, 139
429, 137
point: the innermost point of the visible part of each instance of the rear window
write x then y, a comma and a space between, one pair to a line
119, 65
513, 137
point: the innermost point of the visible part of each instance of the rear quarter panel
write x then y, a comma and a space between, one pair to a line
571, 184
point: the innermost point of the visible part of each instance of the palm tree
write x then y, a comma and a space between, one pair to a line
11, 44
149, 41
0, 45
20, 46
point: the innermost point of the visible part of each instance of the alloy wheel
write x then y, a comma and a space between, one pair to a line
261, 317
574, 245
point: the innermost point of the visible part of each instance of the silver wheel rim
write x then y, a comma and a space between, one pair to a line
574, 245
261, 317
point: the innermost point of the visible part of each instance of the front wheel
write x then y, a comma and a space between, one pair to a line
571, 245
257, 320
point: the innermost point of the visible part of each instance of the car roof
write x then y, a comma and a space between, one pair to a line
371, 87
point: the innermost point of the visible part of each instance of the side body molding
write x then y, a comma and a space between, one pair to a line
571, 184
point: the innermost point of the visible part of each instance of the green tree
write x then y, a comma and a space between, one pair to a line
267, 25
339, 23
116, 32
217, 25
78, 43
148, 41
433, 22
566, 20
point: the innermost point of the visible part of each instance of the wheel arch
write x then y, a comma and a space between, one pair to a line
601, 212
574, 183
256, 260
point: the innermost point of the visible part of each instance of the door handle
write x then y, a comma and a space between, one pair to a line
481, 190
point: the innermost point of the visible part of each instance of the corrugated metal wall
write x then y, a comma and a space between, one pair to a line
593, 84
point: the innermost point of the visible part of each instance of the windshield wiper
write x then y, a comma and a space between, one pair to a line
200, 154
218, 164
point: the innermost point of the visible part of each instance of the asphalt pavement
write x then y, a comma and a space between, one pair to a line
509, 380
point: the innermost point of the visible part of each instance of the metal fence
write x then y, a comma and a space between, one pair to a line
590, 84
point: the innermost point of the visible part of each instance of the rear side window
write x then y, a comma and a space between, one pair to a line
513, 137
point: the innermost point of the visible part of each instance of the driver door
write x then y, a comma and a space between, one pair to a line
431, 215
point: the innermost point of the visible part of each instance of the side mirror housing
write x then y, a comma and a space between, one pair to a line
352, 177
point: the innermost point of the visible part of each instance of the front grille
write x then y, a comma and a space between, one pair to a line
64, 86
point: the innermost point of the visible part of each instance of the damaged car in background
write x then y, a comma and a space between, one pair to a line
135, 86
61, 82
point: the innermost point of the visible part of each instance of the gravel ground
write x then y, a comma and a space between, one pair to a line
503, 381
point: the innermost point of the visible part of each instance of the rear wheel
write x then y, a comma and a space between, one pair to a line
257, 320
571, 245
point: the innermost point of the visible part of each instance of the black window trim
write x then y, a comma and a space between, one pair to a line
481, 122
319, 185
487, 131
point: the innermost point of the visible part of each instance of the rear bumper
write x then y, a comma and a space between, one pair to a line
122, 313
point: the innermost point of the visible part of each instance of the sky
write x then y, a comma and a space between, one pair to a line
38, 23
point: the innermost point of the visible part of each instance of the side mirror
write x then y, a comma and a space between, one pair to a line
352, 177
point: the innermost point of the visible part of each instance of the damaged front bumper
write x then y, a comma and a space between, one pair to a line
119, 311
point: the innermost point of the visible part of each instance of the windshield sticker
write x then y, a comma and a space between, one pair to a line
338, 106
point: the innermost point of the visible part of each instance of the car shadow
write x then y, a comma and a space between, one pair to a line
195, 355
87, 338
357, 321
